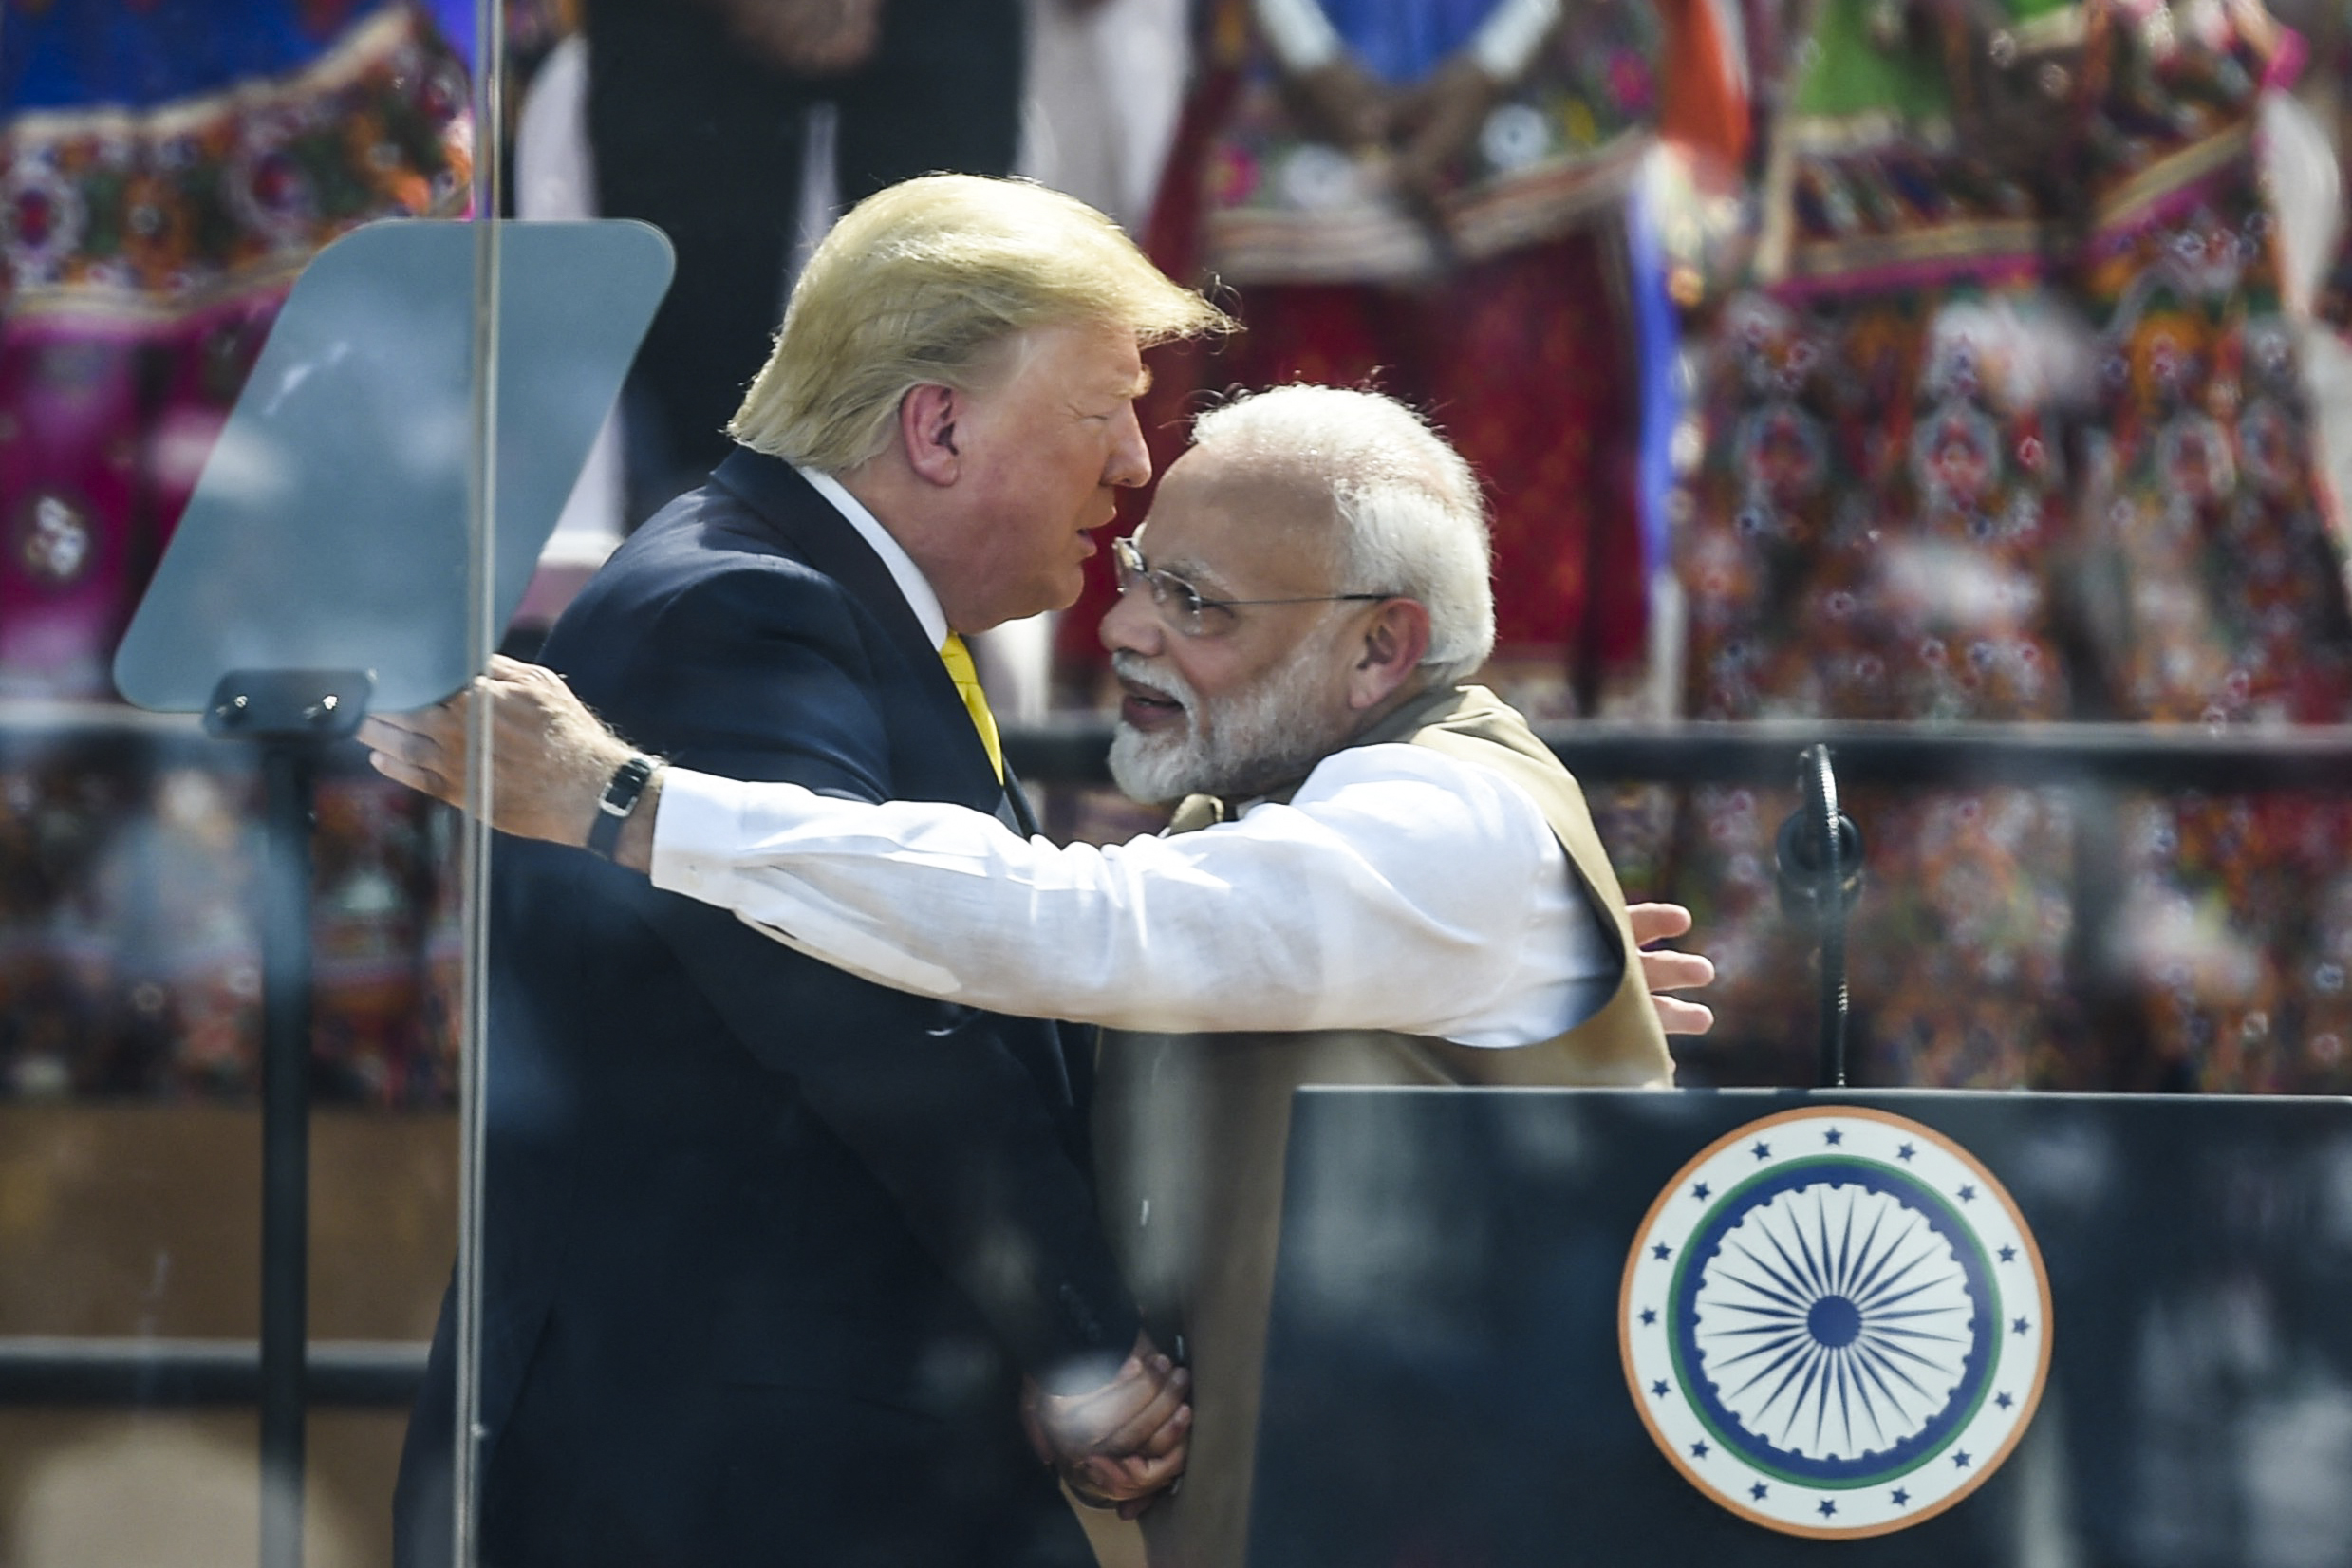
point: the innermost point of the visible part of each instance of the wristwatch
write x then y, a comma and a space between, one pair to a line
622, 792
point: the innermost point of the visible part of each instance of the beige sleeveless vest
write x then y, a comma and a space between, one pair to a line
1189, 1132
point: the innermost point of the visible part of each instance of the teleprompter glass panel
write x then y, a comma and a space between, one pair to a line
337, 497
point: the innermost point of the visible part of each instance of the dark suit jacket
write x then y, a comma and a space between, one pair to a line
767, 1245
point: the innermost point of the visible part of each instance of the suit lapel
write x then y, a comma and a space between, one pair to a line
810, 527
818, 532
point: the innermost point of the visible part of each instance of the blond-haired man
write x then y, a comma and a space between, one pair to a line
1377, 874
770, 1249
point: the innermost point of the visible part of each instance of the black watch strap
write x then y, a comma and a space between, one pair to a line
622, 791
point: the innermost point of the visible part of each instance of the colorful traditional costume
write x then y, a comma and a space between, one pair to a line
166, 169
1504, 306
2015, 436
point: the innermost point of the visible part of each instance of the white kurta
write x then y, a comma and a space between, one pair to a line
1399, 890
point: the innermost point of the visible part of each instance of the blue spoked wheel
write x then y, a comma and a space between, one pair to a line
1834, 1322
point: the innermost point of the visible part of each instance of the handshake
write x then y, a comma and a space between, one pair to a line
1121, 1445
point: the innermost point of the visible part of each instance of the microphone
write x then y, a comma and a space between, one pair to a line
1820, 862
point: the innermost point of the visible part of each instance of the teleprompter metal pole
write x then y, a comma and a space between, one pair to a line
289, 784
291, 715
482, 623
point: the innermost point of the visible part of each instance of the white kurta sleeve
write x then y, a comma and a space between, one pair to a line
1400, 890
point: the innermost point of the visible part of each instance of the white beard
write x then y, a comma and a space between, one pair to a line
1259, 738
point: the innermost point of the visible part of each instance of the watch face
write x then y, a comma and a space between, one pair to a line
627, 784
622, 792
1835, 1322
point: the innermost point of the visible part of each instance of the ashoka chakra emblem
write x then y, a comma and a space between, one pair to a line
1835, 1322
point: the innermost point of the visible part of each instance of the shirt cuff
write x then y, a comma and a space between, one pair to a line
698, 825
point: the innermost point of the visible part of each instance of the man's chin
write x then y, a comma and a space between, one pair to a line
1152, 769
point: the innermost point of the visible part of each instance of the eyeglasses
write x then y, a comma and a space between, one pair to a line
1193, 612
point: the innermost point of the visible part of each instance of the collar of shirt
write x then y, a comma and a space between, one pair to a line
908, 576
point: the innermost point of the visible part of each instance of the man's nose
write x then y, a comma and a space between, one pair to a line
1132, 626
1130, 456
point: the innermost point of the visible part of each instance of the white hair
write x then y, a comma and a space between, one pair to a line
1411, 519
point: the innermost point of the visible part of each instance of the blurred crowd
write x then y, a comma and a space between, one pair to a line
1916, 359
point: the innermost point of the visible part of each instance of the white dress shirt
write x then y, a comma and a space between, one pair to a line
1399, 890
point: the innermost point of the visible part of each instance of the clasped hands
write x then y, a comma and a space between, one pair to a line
814, 38
1422, 129
1121, 1444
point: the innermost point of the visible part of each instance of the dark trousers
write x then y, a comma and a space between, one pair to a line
749, 1472
694, 136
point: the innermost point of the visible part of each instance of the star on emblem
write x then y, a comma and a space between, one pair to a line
1960, 1460
2008, 1255
1758, 1491
1699, 1451
1700, 1191
2017, 1326
1905, 1152
1827, 1508
1661, 1252
1649, 1317
1763, 1150
1902, 1497
2003, 1400
1967, 1194
1660, 1387
1833, 1137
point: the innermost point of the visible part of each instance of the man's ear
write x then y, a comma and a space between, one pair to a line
928, 416
1396, 640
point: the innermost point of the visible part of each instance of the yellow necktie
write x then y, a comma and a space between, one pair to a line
959, 662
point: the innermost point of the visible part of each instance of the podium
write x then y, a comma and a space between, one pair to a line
1521, 1327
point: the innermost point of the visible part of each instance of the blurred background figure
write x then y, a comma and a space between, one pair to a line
1432, 197
1098, 90
2013, 428
1105, 85
705, 117
554, 179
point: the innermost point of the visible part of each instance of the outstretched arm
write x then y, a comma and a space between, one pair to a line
1463, 944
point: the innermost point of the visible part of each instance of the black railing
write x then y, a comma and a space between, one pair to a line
1072, 751
2218, 759
183, 1372
2176, 758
